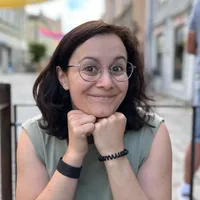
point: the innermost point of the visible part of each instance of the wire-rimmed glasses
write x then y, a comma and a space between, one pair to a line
91, 71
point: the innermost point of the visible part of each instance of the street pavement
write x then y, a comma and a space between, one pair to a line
179, 124
178, 121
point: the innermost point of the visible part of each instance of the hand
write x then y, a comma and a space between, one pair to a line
108, 134
80, 125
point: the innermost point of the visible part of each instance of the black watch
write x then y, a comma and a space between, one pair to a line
68, 170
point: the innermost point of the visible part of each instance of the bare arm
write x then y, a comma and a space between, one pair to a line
191, 45
33, 182
154, 178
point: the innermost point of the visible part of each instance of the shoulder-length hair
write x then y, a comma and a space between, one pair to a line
54, 102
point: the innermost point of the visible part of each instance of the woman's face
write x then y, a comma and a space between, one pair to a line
102, 97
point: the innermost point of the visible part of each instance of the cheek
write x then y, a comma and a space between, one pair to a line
123, 88
77, 90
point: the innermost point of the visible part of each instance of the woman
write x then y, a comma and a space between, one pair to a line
93, 140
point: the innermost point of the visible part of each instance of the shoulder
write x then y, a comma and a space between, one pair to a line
156, 168
139, 142
31, 122
196, 7
153, 121
37, 135
149, 130
195, 13
48, 148
33, 127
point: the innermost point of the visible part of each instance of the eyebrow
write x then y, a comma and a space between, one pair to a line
98, 60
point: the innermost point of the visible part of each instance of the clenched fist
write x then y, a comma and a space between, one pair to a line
80, 125
108, 134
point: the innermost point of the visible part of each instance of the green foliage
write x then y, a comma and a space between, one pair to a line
37, 51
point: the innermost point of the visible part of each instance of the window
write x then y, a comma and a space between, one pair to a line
12, 17
159, 56
160, 2
179, 53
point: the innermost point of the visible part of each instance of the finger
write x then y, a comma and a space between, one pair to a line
72, 112
101, 119
88, 134
77, 114
85, 119
120, 116
86, 129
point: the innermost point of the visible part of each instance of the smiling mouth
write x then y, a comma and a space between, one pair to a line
103, 97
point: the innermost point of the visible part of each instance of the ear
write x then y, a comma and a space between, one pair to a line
62, 77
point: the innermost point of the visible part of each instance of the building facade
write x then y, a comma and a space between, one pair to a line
38, 29
129, 13
172, 66
12, 43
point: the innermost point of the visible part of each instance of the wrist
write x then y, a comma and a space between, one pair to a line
68, 170
113, 156
111, 151
73, 159
116, 162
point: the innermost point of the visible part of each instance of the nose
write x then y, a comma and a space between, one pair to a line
105, 80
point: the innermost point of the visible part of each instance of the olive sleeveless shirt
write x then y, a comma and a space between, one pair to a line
93, 182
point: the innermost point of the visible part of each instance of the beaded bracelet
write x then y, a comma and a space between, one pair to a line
113, 156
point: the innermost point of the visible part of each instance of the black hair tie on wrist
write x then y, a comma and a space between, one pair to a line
113, 156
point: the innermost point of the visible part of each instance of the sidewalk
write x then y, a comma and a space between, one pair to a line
179, 124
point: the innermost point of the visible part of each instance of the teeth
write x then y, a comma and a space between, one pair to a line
103, 97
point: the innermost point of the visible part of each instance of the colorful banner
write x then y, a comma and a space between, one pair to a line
18, 3
51, 34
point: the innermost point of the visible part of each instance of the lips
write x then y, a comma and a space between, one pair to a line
101, 97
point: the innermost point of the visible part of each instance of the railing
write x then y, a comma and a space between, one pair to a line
5, 143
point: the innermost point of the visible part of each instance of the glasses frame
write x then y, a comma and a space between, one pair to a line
78, 66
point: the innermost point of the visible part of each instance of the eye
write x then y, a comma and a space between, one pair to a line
90, 68
117, 68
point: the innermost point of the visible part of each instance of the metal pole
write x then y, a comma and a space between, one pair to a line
5, 142
149, 33
192, 152
15, 126
15, 143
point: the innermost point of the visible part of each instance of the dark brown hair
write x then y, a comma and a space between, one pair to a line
54, 102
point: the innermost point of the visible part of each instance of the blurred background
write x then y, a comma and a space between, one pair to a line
30, 31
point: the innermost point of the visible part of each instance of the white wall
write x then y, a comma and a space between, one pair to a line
12, 37
179, 89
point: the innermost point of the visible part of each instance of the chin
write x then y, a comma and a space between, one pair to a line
102, 113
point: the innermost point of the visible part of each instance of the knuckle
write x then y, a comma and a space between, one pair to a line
89, 129
69, 114
97, 125
120, 115
72, 123
104, 121
112, 118
75, 130
93, 118
92, 126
